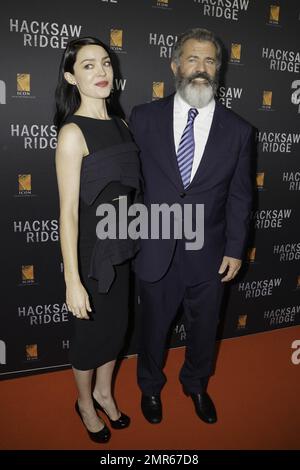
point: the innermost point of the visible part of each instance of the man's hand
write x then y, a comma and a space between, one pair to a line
233, 266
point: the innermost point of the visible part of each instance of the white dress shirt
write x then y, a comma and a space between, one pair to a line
202, 125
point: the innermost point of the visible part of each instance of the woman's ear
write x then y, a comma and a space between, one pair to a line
69, 78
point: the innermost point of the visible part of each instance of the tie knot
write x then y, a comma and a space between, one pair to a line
192, 114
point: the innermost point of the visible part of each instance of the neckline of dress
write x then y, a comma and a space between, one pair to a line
94, 119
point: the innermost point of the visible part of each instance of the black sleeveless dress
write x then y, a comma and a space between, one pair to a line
110, 170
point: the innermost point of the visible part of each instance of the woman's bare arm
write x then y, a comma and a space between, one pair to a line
69, 154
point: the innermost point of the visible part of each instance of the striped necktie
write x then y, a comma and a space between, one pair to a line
186, 149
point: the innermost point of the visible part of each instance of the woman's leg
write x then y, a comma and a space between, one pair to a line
83, 379
103, 390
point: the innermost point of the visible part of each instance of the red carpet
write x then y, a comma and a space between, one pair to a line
256, 390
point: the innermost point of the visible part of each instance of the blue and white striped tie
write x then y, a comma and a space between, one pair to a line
186, 149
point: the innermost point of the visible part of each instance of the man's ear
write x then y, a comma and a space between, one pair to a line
174, 67
69, 78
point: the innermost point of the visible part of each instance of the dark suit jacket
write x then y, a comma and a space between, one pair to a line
222, 183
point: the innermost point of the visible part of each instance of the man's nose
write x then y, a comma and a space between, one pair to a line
201, 67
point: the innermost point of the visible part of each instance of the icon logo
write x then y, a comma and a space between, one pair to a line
274, 14
267, 99
24, 182
242, 322
31, 352
162, 3
235, 55
157, 90
116, 39
251, 254
27, 274
23, 84
260, 180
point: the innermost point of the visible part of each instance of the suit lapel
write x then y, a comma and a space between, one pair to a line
166, 133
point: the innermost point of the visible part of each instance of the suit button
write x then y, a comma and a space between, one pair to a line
182, 194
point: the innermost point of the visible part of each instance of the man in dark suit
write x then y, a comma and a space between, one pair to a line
193, 151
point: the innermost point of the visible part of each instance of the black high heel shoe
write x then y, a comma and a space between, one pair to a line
120, 423
101, 436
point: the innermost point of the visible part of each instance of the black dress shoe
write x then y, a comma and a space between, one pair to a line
101, 436
120, 423
151, 408
204, 407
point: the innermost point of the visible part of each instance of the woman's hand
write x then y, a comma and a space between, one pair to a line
78, 300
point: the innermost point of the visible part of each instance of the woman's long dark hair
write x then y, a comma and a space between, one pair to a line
67, 97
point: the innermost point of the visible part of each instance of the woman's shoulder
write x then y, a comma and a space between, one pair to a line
70, 135
70, 129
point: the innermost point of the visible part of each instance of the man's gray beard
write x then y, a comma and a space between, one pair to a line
198, 95
195, 94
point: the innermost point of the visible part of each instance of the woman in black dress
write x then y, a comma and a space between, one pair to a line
96, 162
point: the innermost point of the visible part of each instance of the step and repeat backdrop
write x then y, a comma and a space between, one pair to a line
260, 81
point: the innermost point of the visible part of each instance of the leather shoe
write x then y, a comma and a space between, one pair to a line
204, 407
151, 408
101, 436
120, 423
